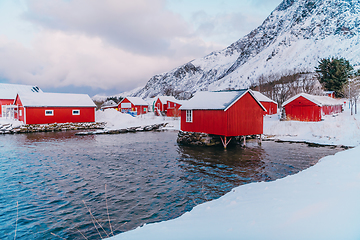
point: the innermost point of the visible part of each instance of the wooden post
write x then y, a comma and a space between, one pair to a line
244, 140
260, 140
224, 142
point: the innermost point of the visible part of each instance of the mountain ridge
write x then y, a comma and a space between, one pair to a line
294, 37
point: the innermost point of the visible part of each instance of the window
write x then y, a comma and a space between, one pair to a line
144, 109
168, 104
75, 112
20, 113
49, 112
189, 117
125, 105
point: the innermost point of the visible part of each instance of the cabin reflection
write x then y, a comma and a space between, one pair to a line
237, 164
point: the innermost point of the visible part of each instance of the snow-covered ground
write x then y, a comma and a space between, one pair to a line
13, 122
340, 129
117, 120
321, 202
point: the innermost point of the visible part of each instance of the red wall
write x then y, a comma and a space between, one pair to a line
160, 106
302, 109
139, 109
328, 110
5, 102
36, 115
271, 107
245, 117
173, 110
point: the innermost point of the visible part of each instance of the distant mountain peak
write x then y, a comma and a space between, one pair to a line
296, 35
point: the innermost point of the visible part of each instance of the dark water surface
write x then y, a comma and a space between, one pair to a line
148, 177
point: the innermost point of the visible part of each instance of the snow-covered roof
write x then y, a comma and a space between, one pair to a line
318, 100
9, 91
164, 99
150, 101
55, 100
262, 98
220, 100
137, 101
109, 103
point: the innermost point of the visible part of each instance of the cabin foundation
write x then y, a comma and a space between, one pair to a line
204, 139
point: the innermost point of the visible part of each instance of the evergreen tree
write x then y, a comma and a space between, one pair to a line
333, 74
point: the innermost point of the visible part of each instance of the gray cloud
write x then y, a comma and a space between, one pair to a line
140, 26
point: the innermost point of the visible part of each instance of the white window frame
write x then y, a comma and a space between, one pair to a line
49, 112
20, 113
74, 110
189, 116
125, 105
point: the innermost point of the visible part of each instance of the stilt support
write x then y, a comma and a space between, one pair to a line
260, 140
244, 140
224, 141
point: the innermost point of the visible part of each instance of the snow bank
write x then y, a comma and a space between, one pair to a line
117, 120
15, 123
340, 129
321, 202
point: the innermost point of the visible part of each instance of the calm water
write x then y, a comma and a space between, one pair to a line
148, 177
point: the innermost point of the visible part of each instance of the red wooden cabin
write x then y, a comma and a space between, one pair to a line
43, 108
168, 105
133, 105
8, 93
269, 104
310, 108
224, 113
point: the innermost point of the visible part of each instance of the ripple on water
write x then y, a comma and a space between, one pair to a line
57, 177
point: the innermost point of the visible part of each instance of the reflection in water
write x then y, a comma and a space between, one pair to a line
149, 178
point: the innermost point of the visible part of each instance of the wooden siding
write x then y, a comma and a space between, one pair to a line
271, 108
140, 109
301, 109
36, 115
304, 110
245, 117
173, 109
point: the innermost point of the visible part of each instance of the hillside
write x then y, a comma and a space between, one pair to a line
296, 35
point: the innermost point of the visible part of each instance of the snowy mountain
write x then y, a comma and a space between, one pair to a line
296, 35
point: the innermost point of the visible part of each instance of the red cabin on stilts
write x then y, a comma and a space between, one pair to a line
310, 108
224, 113
270, 105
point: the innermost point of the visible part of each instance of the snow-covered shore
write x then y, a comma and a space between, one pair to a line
117, 120
341, 129
321, 202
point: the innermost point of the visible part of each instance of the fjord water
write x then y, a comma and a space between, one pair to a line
58, 178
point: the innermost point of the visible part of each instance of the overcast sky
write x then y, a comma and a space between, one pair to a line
111, 46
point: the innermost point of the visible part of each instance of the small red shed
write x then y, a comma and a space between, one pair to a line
270, 105
44, 108
8, 93
224, 113
310, 108
133, 105
168, 105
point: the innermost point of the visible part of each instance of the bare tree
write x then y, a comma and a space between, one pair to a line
351, 90
281, 87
